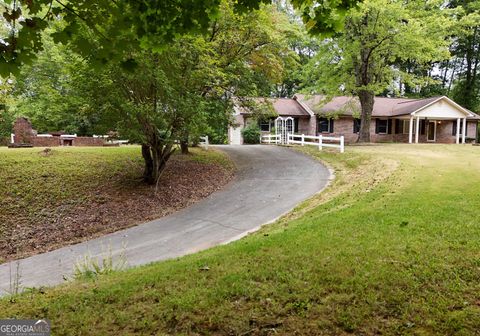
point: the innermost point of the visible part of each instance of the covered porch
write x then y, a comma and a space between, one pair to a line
441, 120
422, 129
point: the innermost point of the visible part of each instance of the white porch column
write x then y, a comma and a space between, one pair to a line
410, 130
464, 130
417, 129
457, 140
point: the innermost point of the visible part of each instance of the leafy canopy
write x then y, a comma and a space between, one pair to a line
377, 35
117, 26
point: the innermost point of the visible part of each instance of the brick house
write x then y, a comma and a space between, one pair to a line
25, 136
435, 120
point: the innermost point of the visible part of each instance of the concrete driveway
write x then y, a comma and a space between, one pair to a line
270, 181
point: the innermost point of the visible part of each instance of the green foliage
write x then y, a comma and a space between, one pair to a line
251, 133
58, 92
466, 52
466, 92
6, 122
303, 47
378, 34
6, 110
192, 79
115, 27
323, 17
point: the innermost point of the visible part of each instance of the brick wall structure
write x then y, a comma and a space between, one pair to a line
24, 134
23, 130
344, 126
56, 141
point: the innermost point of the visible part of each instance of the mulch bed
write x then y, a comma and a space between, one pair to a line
108, 209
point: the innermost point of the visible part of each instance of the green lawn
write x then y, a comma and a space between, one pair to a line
392, 247
73, 193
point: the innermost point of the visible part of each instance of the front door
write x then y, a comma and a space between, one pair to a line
432, 131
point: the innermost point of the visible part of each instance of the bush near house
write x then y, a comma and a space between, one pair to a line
251, 133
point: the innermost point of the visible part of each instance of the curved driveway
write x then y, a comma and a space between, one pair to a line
270, 181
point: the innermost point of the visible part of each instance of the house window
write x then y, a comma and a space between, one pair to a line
295, 125
381, 126
265, 125
325, 125
356, 125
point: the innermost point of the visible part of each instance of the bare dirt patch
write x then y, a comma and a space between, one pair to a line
115, 202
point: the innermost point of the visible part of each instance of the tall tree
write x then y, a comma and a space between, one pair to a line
172, 92
361, 60
466, 50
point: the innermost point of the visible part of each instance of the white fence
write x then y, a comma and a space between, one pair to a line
270, 139
319, 141
302, 139
204, 141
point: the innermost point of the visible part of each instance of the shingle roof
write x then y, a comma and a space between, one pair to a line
283, 107
346, 105
289, 107
383, 106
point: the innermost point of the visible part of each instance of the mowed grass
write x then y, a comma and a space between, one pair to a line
61, 174
392, 247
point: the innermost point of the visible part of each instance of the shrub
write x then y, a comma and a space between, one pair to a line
4, 141
251, 134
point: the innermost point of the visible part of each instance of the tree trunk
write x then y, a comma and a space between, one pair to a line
147, 158
367, 100
363, 79
155, 158
184, 146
